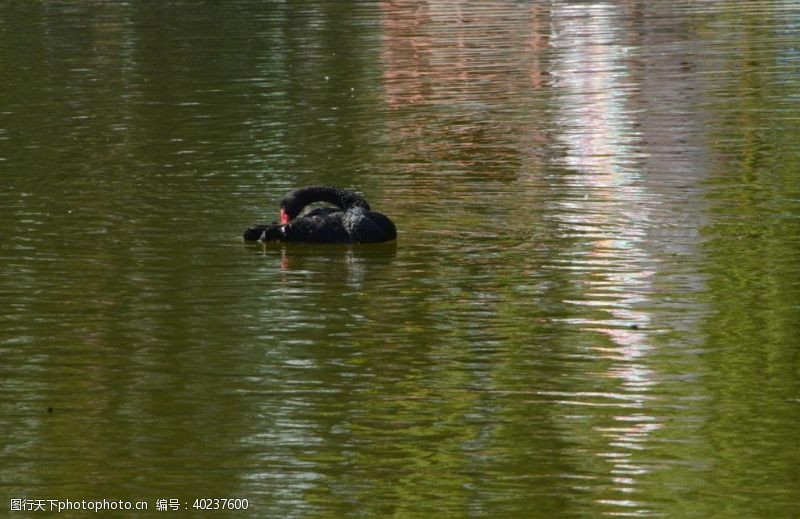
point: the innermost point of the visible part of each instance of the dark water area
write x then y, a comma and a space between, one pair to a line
592, 307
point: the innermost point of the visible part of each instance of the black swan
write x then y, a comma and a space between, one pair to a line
351, 221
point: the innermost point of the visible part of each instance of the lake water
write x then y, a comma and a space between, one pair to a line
592, 307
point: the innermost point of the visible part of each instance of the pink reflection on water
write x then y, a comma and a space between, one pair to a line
454, 52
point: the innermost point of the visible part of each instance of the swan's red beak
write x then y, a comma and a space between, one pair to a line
284, 216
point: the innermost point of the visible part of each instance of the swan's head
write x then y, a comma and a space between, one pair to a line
291, 205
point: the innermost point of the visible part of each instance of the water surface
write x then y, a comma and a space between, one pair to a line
591, 308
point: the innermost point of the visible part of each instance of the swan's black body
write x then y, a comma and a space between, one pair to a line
350, 221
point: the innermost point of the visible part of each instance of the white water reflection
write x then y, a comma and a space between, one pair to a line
610, 208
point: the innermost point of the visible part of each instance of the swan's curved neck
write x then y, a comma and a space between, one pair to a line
295, 201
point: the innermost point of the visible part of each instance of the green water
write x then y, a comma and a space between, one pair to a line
592, 307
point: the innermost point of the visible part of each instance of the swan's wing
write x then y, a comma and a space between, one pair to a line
375, 227
323, 227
